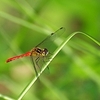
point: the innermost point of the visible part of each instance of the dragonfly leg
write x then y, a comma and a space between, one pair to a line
46, 58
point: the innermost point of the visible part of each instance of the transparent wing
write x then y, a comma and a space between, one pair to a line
52, 36
46, 43
34, 65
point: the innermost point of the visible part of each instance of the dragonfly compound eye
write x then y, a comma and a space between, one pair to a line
45, 51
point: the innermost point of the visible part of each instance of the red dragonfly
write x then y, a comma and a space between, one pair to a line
37, 52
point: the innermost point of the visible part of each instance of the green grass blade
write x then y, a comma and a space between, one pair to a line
52, 57
5, 97
22, 22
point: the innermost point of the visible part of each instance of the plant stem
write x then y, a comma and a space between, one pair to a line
5, 97
52, 57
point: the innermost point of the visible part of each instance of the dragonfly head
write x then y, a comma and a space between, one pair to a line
45, 52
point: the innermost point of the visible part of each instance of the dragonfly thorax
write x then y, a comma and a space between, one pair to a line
39, 51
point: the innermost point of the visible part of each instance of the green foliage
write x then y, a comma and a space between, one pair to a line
74, 74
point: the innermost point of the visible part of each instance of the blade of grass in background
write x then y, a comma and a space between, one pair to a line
2, 97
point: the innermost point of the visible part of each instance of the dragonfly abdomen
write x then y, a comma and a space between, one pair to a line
17, 57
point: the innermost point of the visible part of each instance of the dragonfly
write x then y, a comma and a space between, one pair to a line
38, 51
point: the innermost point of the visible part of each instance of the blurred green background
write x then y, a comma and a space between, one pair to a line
75, 71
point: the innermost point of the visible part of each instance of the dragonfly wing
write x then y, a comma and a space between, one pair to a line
47, 43
52, 36
34, 64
